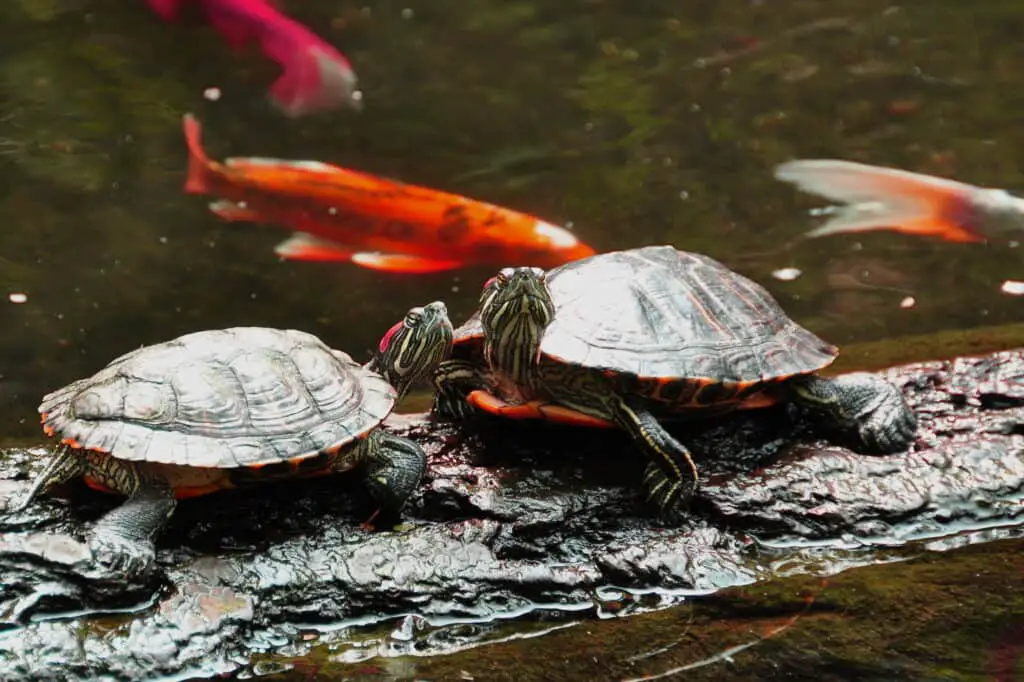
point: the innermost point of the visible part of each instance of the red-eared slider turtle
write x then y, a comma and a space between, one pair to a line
224, 408
628, 337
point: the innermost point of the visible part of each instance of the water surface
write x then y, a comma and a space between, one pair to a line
637, 125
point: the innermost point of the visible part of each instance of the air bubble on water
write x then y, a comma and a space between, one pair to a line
212, 94
1013, 287
787, 274
908, 302
407, 13
17, 298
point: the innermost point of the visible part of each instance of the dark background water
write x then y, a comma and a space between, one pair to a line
639, 123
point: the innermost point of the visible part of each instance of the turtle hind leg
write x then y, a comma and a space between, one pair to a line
671, 477
862, 403
65, 465
123, 538
394, 468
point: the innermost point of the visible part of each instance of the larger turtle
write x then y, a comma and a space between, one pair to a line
630, 337
225, 408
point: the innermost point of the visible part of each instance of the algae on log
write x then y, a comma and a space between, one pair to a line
512, 520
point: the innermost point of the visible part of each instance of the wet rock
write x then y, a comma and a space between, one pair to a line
511, 519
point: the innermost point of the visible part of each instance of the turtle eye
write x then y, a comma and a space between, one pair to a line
504, 274
539, 274
413, 317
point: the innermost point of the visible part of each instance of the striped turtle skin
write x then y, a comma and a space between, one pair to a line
234, 407
628, 338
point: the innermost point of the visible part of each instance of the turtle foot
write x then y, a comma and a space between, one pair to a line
886, 424
863, 404
118, 555
670, 497
394, 471
454, 408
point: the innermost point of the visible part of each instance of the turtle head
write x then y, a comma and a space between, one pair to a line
413, 348
515, 309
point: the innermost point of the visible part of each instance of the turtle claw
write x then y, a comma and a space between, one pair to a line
672, 498
455, 407
871, 407
119, 555
884, 422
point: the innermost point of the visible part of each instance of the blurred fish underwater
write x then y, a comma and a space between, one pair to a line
343, 215
315, 77
880, 198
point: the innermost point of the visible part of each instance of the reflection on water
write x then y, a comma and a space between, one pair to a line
638, 126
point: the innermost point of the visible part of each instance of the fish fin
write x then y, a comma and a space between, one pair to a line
304, 246
229, 210
239, 162
196, 179
397, 262
879, 198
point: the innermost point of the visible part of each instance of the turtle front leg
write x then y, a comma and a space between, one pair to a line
862, 403
454, 380
394, 468
671, 477
65, 465
123, 539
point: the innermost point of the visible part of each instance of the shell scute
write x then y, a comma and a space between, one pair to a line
657, 312
229, 398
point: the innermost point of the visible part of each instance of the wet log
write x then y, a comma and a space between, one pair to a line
512, 518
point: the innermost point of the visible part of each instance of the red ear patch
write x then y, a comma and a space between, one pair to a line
386, 339
488, 283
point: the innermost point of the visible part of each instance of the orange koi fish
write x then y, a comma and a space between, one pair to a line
878, 198
344, 215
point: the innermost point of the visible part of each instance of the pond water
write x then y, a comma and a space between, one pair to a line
636, 123
637, 126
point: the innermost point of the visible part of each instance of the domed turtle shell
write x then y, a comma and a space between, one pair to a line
658, 313
239, 397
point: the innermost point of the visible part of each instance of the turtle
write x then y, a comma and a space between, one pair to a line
630, 338
226, 408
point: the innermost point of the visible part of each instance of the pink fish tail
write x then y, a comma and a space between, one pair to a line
315, 76
168, 10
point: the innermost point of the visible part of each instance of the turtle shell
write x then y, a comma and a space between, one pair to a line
239, 397
659, 313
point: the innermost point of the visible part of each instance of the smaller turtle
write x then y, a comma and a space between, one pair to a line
627, 338
225, 408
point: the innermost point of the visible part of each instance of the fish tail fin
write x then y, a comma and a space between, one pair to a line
879, 198
197, 179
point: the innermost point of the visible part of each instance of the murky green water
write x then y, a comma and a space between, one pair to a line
639, 126
639, 123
